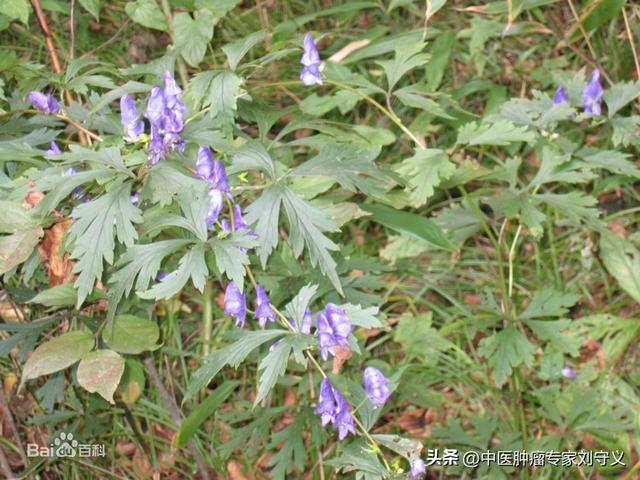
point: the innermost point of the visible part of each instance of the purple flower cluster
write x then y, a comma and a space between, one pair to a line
53, 149
212, 170
310, 60
333, 329
131, 122
235, 304
165, 112
333, 407
591, 96
44, 102
376, 385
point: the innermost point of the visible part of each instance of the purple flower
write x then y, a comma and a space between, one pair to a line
343, 420
133, 127
135, 198
305, 324
218, 177
376, 385
204, 163
418, 468
560, 96
161, 276
43, 102
165, 112
333, 329
333, 407
53, 149
263, 311
235, 304
216, 202
592, 95
569, 373
310, 60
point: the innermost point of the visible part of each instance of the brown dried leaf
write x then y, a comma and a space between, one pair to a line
59, 265
234, 470
340, 355
348, 49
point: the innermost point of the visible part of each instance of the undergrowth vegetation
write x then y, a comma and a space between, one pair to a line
319, 240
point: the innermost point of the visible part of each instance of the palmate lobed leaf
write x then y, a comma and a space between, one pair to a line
505, 351
92, 234
424, 171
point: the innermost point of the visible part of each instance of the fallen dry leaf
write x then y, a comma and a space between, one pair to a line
59, 266
348, 49
340, 355
234, 471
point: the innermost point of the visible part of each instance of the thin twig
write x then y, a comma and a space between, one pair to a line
172, 407
12, 424
586, 38
4, 466
631, 41
72, 28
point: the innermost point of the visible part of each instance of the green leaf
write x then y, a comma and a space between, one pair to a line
501, 132
272, 367
424, 171
191, 265
57, 354
223, 93
412, 97
92, 6
297, 307
596, 14
441, 52
290, 449
506, 350
612, 160
576, 206
165, 180
253, 156
619, 95
203, 411
14, 217
363, 317
263, 214
622, 260
141, 262
132, 335
109, 157
351, 166
192, 35
17, 247
132, 382
411, 224
236, 51
626, 130
549, 303
100, 372
231, 256
556, 167
552, 332
147, 13
418, 338
407, 57
16, 10
92, 234
61, 296
233, 355
219, 8
306, 227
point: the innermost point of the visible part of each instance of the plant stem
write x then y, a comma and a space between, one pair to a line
207, 317
390, 115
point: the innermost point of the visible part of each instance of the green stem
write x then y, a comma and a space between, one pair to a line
207, 317
389, 114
